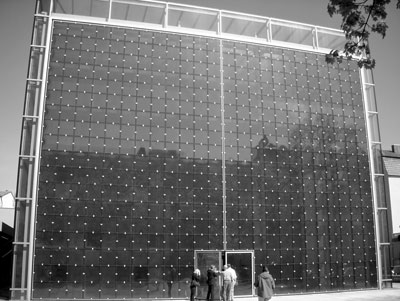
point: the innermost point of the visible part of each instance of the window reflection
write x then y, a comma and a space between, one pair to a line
132, 160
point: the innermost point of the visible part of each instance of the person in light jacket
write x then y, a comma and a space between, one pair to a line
194, 284
265, 285
234, 281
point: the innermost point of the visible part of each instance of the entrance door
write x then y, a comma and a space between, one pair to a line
241, 261
203, 260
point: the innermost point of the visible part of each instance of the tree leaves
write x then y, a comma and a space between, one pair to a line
359, 19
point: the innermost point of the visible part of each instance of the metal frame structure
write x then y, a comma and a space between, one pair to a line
177, 18
200, 21
29, 156
381, 212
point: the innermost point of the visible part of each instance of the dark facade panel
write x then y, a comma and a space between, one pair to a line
132, 165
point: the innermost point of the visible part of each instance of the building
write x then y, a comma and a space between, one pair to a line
161, 137
7, 205
391, 160
6, 259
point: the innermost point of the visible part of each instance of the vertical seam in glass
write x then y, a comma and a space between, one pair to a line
372, 175
221, 70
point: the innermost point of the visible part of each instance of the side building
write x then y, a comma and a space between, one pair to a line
391, 161
159, 137
7, 205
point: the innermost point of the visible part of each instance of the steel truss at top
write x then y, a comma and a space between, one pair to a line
198, 20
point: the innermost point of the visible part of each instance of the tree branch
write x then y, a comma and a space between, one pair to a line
356, 18
369, 15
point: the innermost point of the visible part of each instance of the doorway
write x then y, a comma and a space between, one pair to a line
241, 261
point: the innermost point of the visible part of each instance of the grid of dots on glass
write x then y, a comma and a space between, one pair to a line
142, 127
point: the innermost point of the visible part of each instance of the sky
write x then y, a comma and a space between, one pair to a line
16, 19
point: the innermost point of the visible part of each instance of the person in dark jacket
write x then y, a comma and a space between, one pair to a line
265, 285
212, 282
194, 284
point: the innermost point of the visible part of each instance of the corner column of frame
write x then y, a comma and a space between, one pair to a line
27, 183
47, 43
373, 141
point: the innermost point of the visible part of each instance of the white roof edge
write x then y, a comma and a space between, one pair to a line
184, 30
175, 5
240, 13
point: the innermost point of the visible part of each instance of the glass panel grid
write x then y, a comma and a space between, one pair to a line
295, 168
144, 149
131, 156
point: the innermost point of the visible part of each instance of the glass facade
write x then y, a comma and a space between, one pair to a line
157, 145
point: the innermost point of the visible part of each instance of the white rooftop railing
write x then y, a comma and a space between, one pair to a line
199, 20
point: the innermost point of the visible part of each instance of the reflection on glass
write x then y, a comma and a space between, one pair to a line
131, 170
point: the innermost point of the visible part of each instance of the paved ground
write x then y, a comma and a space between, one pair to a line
384, 295
387, 294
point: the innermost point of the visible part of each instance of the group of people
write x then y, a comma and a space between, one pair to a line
229, 280
265, 284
